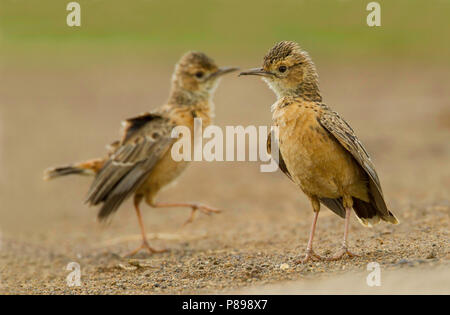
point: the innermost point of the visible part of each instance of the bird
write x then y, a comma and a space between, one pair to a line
140, 164
317, 148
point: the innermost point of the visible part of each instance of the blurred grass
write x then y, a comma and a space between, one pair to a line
410, 29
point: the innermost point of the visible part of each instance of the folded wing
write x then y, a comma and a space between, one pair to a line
146, 139
345, 135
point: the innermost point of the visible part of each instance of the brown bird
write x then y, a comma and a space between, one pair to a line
140, 164
318, 150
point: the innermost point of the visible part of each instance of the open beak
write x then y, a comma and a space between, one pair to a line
257, 71
222, 71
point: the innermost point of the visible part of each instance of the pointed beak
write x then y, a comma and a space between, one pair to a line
222, 71
257, 71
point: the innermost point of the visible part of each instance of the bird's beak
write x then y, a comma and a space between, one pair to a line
257, 71
222, 71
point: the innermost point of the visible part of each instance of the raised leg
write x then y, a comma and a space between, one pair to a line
144, 244
344, 250
194, 206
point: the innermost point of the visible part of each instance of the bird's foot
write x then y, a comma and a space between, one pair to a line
200, 207
344, 251
310, 255
147, 247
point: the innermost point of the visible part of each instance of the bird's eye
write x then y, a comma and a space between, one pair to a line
282, 69
199, 74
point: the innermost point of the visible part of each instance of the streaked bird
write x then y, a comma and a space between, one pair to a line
318, 150
140, 164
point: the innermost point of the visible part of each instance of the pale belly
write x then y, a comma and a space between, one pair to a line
166, 171
318, 164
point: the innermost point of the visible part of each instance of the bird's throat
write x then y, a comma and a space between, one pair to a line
309, 91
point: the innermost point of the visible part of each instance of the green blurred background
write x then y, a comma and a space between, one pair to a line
410, 29
64, 91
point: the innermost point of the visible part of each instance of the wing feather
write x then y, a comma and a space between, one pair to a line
146, 139
345, 135
280, 162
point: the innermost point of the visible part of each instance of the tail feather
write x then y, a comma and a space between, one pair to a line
90, 167
52, 173
368, 215
391, 218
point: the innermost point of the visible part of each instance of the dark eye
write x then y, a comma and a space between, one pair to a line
282, 69
199, 74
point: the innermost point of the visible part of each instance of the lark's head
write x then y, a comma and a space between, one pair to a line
196, 75
289, 71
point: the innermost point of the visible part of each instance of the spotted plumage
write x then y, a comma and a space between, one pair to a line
146, 139
140, 164
318, 150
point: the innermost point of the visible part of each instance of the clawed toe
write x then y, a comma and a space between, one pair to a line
310, 256
343, 252
204, 209
208, 210
146, 246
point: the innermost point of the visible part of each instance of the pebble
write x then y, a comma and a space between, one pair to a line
284, 266
128, 268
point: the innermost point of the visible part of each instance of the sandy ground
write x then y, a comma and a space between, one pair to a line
412, 280
61, 114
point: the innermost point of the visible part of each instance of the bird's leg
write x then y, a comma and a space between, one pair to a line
345, 249
144, 244
310, 254
194, 206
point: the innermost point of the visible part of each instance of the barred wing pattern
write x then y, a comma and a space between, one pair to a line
146, 139
345, 135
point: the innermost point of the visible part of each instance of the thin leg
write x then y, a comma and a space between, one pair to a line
310, 254
144, 244
194, 206
345, 250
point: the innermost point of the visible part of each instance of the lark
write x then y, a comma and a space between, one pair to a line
140, 163
318, 150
